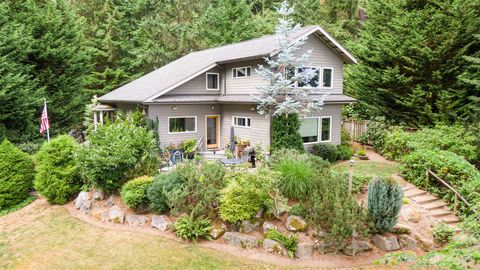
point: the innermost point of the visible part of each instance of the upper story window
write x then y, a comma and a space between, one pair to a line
241, 72
213, 81
313, 81
327, 74
239, 121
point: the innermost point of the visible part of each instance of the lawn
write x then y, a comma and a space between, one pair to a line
367, 167
47, 237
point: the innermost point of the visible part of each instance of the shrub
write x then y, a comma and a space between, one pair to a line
297, 210
321, 166
57, 177
442, 233
345, 137
377, 129
134, 192
117, 152
285, 133
396, 144
298, 172
325, 151
450, 167
191, 228
358, 180
277, 204
245, 194
163, 184
331, 199
29, 147
290, 243
344, 152
384, 203
16, 175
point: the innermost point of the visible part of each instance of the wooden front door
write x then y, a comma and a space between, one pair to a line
212, 131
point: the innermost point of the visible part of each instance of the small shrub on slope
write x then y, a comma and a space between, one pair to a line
384, 204
134, 192
57, 178
191, 228
442, 233
290, 243
16, 175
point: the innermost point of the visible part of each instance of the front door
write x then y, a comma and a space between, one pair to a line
212, 131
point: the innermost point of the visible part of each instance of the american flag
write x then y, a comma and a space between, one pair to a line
45, 125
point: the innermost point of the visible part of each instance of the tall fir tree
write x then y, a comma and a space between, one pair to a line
411, 54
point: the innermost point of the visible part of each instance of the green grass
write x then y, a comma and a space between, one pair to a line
369, 168
14, 208
47, 237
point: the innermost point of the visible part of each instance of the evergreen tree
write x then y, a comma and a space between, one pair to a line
411, 54
471, 77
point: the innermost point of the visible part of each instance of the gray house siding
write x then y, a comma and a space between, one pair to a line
163, 112
198, 85
257, 133
323, 56
245, 85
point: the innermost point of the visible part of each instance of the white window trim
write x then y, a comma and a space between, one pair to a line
320, 77
246, 118
182, 132
246, 76
331, 79
330, 129
218, 81
319, 125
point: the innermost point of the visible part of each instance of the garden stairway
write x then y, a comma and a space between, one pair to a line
436, 208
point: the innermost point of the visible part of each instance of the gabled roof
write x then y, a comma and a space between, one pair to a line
174, 74
240, 99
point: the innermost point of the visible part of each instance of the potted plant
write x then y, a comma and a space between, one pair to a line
362, 154
240, 147
189, 148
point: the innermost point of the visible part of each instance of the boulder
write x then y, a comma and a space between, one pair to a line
386, 243
161, 222
356, 246
247, 226
135, 220
304, 250
218, 229
116, 215
295, 224
424, 243
412, 215
100, 214
326, 246
240, 240
110, 201
267, 226
401, 229
407, 242
98, 195
274, 247
83, 202
260, 213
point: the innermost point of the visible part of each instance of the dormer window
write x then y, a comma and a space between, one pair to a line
213, 81
313, 81
327, 77
241, 72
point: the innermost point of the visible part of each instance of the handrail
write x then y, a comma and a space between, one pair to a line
457, 194
199, 143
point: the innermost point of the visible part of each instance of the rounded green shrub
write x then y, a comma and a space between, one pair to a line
344, 152
57, 178
384, 203
245, 194
163, 184
325, 151
191, 228
16, 175
442, 233
116, 152
286, 133
134, 192
396, 144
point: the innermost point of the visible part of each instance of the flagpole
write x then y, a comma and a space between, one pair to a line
48, 126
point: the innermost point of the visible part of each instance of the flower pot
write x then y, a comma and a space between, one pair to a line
239, 150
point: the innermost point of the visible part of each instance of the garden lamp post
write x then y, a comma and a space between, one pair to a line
350, 175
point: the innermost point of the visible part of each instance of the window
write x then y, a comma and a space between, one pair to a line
326, 128
183, 124
314, 81
212, 81
327, 77
241, 72
309, 130
241, 121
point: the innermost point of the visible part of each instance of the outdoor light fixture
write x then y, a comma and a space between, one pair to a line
213, 107
350, 175
252, 108
174, 107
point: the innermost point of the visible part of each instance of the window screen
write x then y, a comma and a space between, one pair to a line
309, 130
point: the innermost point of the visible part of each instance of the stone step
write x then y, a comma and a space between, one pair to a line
450, 219
414, 193
440, 212
408, 187
425, 199
434, 205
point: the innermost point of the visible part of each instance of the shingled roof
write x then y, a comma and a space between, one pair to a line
156, 83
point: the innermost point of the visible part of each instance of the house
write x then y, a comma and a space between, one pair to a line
204, 94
